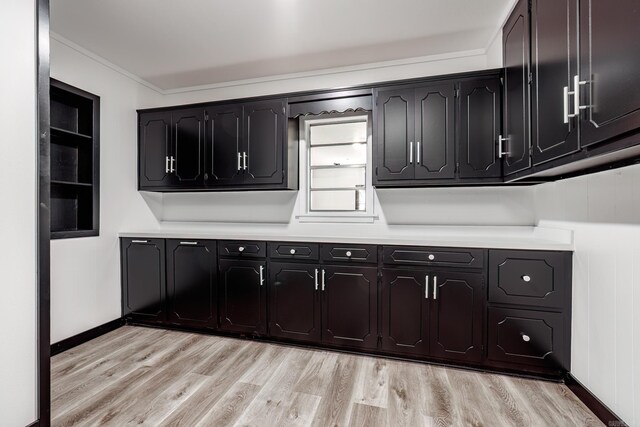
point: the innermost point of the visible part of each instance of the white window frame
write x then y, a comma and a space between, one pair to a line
305, 214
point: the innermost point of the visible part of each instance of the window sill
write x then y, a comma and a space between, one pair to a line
337, 218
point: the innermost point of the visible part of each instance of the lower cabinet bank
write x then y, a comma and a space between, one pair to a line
506, 310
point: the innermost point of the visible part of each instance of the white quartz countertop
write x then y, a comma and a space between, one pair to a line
532, 238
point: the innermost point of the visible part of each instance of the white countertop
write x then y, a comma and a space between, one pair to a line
533, 238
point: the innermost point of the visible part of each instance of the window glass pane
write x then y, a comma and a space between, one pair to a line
339, 133
352, 154
337, 177
340, 200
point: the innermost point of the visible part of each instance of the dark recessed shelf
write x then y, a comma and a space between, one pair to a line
75, 184
70, 133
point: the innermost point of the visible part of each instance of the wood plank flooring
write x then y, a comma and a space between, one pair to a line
154, 377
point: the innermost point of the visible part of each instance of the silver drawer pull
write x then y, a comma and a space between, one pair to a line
431, 257
139, 241
348, 253
189, 243
241, 249
526, 278
526, 338
292, 251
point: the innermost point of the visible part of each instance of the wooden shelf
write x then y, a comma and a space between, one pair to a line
70, 183
70, 133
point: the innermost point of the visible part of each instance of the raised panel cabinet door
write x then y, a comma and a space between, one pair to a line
554, 62
458, 303
264, 133
224, 145
610, 68
435, 132
242, 296
405, 304
349, 306
480, 124
191, 282
294, 306
516, 105
143, 280
154, 149
188, 146
395, 147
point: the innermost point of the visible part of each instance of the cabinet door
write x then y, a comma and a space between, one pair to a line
294, 307
191, 282
395, 135
350, 306
456, 318
154, 149
434, 131
188, 146
264, 132
143, 280
610, 64
242, 296
224, 145
405, 311
516, 120
554, 62
480, 125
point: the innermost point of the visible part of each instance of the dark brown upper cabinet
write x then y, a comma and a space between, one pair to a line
264, 130
609, 84
187, 147
479, 128
154, 145
515, 142
554, 53
415, 133
224, 146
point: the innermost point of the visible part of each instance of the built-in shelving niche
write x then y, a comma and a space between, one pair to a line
75, 166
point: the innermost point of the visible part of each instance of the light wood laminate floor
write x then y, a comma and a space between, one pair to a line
155, 377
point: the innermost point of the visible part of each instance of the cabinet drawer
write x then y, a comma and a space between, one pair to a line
307, 251
350, 253
446, 257
526, 337
533, 278
242, 249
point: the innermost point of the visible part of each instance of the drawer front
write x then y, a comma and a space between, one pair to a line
526, 337
445, 257
535, 278
350, 253
239, 248
306, 251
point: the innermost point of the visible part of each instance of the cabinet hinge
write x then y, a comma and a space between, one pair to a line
457, 166
530, 78
284, 110
457, 93
206, 117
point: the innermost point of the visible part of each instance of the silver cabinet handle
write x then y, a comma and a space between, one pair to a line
418, 145
435, 287
348, 254
239, 161
241, 249
139, 241
576, 95
526, 278
323, 279
411, 152
189, 243
244, 155
292, 251
426, 287
501, 151
316, 279
166, 164
526, 338
261, 275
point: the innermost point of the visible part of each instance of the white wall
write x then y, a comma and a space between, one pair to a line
603, 210
85, 272
18, 213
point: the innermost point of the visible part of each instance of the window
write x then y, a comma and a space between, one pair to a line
336, 149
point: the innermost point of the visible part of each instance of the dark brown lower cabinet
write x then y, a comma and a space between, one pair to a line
242, 296
350, 306
294, 301
458, 303
191, 283
405, 307
143, 279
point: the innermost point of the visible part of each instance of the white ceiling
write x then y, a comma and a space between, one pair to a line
182, 43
